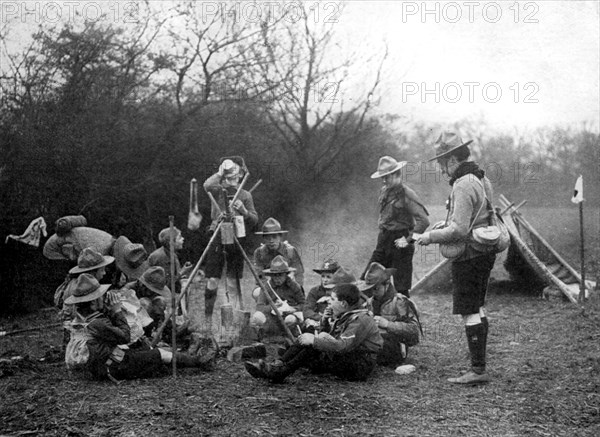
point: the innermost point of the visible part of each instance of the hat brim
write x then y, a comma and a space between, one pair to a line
99, 292
107, 260
379, 174
165, 292
319, 271
271, 233
448, 152
119, 253
364, 285
271, 272
134, 273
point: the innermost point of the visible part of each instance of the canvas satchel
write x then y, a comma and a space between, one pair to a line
454, 249
493, 238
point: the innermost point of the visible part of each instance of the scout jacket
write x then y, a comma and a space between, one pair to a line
404, 325
213, 185
355, 330
107, 330
263, 257
400, 209
466, 200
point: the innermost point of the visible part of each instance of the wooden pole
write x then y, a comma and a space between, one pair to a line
582, 249
530, 228
174, 302
187, 285
265, 291
37, 328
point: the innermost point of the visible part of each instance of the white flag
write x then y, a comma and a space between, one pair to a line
578, 192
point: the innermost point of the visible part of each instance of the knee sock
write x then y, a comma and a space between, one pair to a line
210, 297
476, 342
486, 328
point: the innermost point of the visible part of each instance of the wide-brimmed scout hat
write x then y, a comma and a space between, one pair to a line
155, 280
271, 227
328, 266
278, 265
87, 288
387, 165
131, 258
447, 143
376, 274
90, 259
342, 276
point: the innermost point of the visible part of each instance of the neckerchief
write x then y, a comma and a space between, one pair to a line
466, 168
390, 194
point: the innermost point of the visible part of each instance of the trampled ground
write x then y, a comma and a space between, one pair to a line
543, 356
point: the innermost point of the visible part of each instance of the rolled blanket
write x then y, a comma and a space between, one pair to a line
70, 246
68, 222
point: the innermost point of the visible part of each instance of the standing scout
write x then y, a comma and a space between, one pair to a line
401, 213
222, 186
273, 245
471, 269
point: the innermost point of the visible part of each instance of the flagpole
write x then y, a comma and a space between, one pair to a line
582, 285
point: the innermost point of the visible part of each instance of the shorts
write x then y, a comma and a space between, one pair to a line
216, 260
470, 279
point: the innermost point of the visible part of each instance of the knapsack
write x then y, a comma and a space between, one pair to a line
77, 353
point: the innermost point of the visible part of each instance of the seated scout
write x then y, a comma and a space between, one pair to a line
273, 245
286, 294
319, 296
348, 350
102, 322
395, 315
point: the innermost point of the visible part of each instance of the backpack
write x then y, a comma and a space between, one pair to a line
77, 353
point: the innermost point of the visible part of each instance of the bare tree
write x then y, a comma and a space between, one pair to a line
315, 118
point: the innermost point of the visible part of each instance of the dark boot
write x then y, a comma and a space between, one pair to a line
205, 362
476, 342
210, 297
277, 372
486, 328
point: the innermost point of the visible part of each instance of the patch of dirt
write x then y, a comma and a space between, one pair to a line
543, 357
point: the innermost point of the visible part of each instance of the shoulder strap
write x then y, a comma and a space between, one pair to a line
412, 307
482, 203
289, 250
411, 195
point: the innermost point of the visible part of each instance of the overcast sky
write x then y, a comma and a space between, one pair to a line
524, 64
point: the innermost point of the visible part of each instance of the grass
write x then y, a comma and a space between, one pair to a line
543, 357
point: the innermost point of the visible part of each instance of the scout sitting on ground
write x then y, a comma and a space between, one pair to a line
395, 314
286, 294
349, 350
89, 261
154, 295
319, 296
162, 257
274, 245
105, 328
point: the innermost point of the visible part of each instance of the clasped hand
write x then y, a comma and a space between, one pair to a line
382, 322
